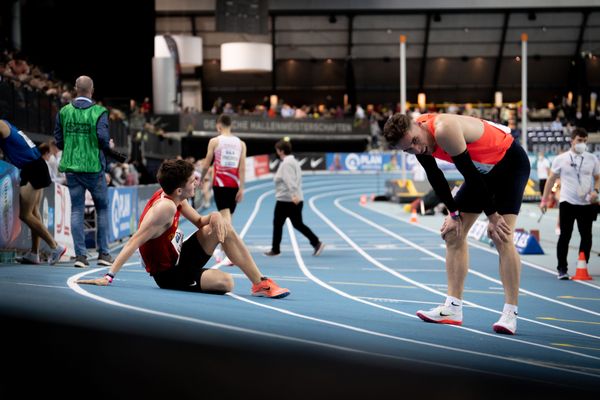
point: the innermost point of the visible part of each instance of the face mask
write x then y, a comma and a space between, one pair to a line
580, 148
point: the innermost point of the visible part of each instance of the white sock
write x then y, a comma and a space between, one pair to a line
510, 308
454, 303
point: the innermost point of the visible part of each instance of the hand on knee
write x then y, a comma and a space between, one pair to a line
453, 240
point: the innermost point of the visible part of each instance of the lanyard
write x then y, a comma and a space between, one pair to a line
574, 165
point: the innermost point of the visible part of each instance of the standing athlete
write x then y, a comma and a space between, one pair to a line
178, 264
229, 170
496, 170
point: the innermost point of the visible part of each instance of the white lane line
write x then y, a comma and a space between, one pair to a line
78, 289
368, 332
540, 364
478, 246
443, 259
405, 278
38, 285
388, 300
372, 284
402, 239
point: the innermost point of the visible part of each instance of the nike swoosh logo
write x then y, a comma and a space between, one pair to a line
315, 163
455, 305
445, 315
273, 164
302, 162
194, 283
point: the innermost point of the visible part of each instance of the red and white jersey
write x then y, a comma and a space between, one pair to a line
227, 162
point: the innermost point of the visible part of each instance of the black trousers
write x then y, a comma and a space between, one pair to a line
284, 210
585, 216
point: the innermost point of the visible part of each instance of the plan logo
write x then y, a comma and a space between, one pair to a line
365, 161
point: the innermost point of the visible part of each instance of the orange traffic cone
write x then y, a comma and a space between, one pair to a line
363, 200
582, 273
413, 216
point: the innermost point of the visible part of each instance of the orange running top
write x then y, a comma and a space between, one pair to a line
486, 152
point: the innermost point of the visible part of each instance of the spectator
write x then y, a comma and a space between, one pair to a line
23, 154
359, 114
579, 173
556, 125
82, 132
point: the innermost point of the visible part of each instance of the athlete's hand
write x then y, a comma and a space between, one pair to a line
295, 199
239, 196
451, 226
498, 229
98, 281
219, 225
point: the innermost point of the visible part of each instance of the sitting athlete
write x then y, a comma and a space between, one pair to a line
496, 170
178, 264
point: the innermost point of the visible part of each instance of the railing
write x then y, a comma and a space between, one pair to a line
30, 109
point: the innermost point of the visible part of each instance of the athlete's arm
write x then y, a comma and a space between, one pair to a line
437, 180
242, 172
214, 219
158, 219
4, 129
210, 153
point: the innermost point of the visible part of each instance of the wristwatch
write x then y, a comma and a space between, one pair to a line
455, 215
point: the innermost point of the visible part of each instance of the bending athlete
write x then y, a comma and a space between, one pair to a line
496, 170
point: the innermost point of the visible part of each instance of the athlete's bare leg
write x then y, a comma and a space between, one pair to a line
457, 256
510, 263
226, 214
29, 199
234, 248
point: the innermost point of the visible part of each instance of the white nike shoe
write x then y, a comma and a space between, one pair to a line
442, 315
507, 323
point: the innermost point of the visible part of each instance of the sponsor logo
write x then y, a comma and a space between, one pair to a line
6, 209
444, 315
273, 164
315, 162
363, 161
194, 283
121, 211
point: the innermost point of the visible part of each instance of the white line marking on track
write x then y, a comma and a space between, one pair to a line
416, 246
313, 278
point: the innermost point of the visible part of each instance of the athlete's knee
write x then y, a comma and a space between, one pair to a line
502, 244
454, 240
224, 283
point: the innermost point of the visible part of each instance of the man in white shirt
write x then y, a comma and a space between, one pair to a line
579, 173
